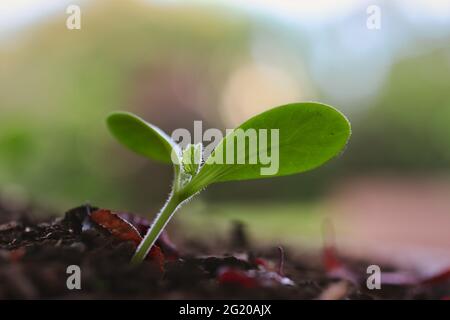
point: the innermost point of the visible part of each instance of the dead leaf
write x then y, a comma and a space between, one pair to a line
123, 230
117, 226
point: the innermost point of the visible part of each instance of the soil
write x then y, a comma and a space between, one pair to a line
34, 256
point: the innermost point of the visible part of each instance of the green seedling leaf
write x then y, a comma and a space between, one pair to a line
300, 136
142, 137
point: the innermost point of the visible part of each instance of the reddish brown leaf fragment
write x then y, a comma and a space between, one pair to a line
330, 260
334, 267
236, 277
123, 230
252, 278
117, 226
437, 278
157, 256
261, 263
142, 225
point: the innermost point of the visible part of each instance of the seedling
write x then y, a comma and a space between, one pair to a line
308, 135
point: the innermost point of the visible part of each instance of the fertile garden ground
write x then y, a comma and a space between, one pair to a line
34, 256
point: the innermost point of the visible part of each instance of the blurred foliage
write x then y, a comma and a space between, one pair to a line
169, 65
57, 86
407, 130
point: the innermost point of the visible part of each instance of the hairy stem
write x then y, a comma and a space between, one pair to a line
161, 220
156, 228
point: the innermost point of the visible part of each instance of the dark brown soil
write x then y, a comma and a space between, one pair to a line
34, 257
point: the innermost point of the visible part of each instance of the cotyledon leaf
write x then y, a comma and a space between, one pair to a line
141, 136
309, 134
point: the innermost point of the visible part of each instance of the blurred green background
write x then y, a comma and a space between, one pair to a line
173, 62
